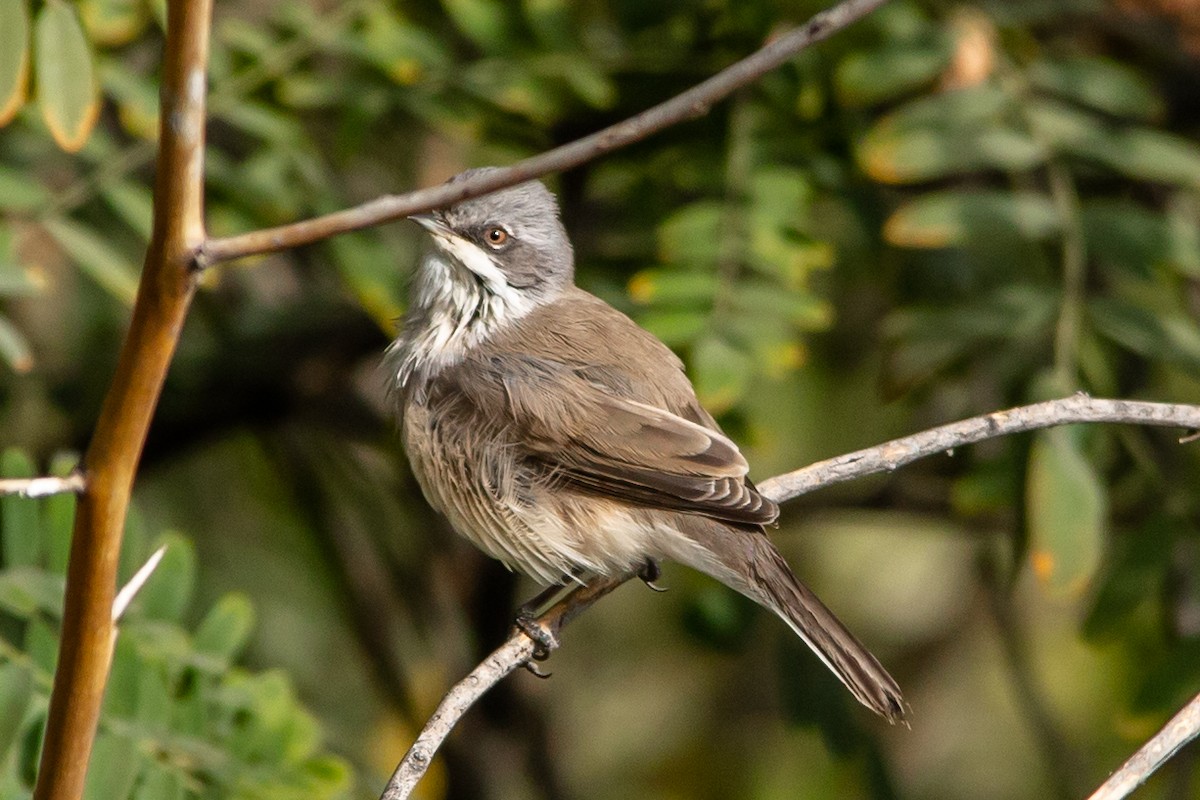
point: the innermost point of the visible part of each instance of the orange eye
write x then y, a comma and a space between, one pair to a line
497, 236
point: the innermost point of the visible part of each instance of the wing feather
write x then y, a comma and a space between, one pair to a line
596, 441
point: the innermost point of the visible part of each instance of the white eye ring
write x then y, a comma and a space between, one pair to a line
496, 237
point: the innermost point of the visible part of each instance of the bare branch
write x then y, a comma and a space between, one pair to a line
42, 487
514, 653
519, 649
693, 103
891, 455
1182, 728
164, 294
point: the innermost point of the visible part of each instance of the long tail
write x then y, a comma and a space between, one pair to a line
748, 562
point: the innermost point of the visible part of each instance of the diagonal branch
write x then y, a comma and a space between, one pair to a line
1182, 729
693, 103
886, 457
164, 294
898, 452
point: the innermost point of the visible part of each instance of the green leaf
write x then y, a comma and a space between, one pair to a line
950, 134
120, 693
20, 191
16, 693
14, 58
41, 643
960, 217
226, 628
1127, 236
869, 77
169, 590
1135, 574
675, 327
25, 591
96, 257
14, 348
1141, 153
59, 517
722, 373
1101, 83
1067, 511
407, 53
159, 783
487, 23
364, 262
902, 157
66, 82
20, 527
327, 777
690, 235
551, 22
800, 309
673, 287
589, 84
136, 97
134, 204
112, 769
1169, 337
1160, 157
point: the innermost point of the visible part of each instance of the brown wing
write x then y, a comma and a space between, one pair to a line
591, 438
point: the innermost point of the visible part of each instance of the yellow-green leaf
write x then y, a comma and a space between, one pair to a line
14, 349
14, 57
955, 218
1067, 509
96, 257
66, 79
722, 373
114, 22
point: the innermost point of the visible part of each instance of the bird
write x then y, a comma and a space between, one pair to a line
561, 438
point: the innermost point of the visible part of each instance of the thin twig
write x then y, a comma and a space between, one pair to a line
42, 487
519, 649
514, 653
1182, 729
895, 454
164, 294
693, 103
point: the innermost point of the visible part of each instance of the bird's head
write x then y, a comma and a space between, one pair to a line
509, 243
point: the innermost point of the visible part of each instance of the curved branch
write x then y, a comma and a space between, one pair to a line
886, 457
693, 103
516, 652
164, 294
1182, 729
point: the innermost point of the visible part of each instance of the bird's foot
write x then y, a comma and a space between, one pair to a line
650, 572
544, 641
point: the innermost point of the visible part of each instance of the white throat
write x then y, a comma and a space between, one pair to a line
460, 298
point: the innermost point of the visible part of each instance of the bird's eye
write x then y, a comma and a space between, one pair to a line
496, 236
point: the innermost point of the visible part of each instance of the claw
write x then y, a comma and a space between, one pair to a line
532, 668
649, 573
543, 640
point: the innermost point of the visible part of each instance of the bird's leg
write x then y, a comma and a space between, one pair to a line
649, 572
527, 621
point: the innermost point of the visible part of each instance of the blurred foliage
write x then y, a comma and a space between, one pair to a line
947, 209
180, 719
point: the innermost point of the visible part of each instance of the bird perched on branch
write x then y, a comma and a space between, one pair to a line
561, 438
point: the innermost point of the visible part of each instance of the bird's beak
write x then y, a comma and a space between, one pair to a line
431, 222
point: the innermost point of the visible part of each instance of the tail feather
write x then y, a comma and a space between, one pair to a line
749, 563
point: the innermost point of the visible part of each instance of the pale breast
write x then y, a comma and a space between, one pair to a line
473, 473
